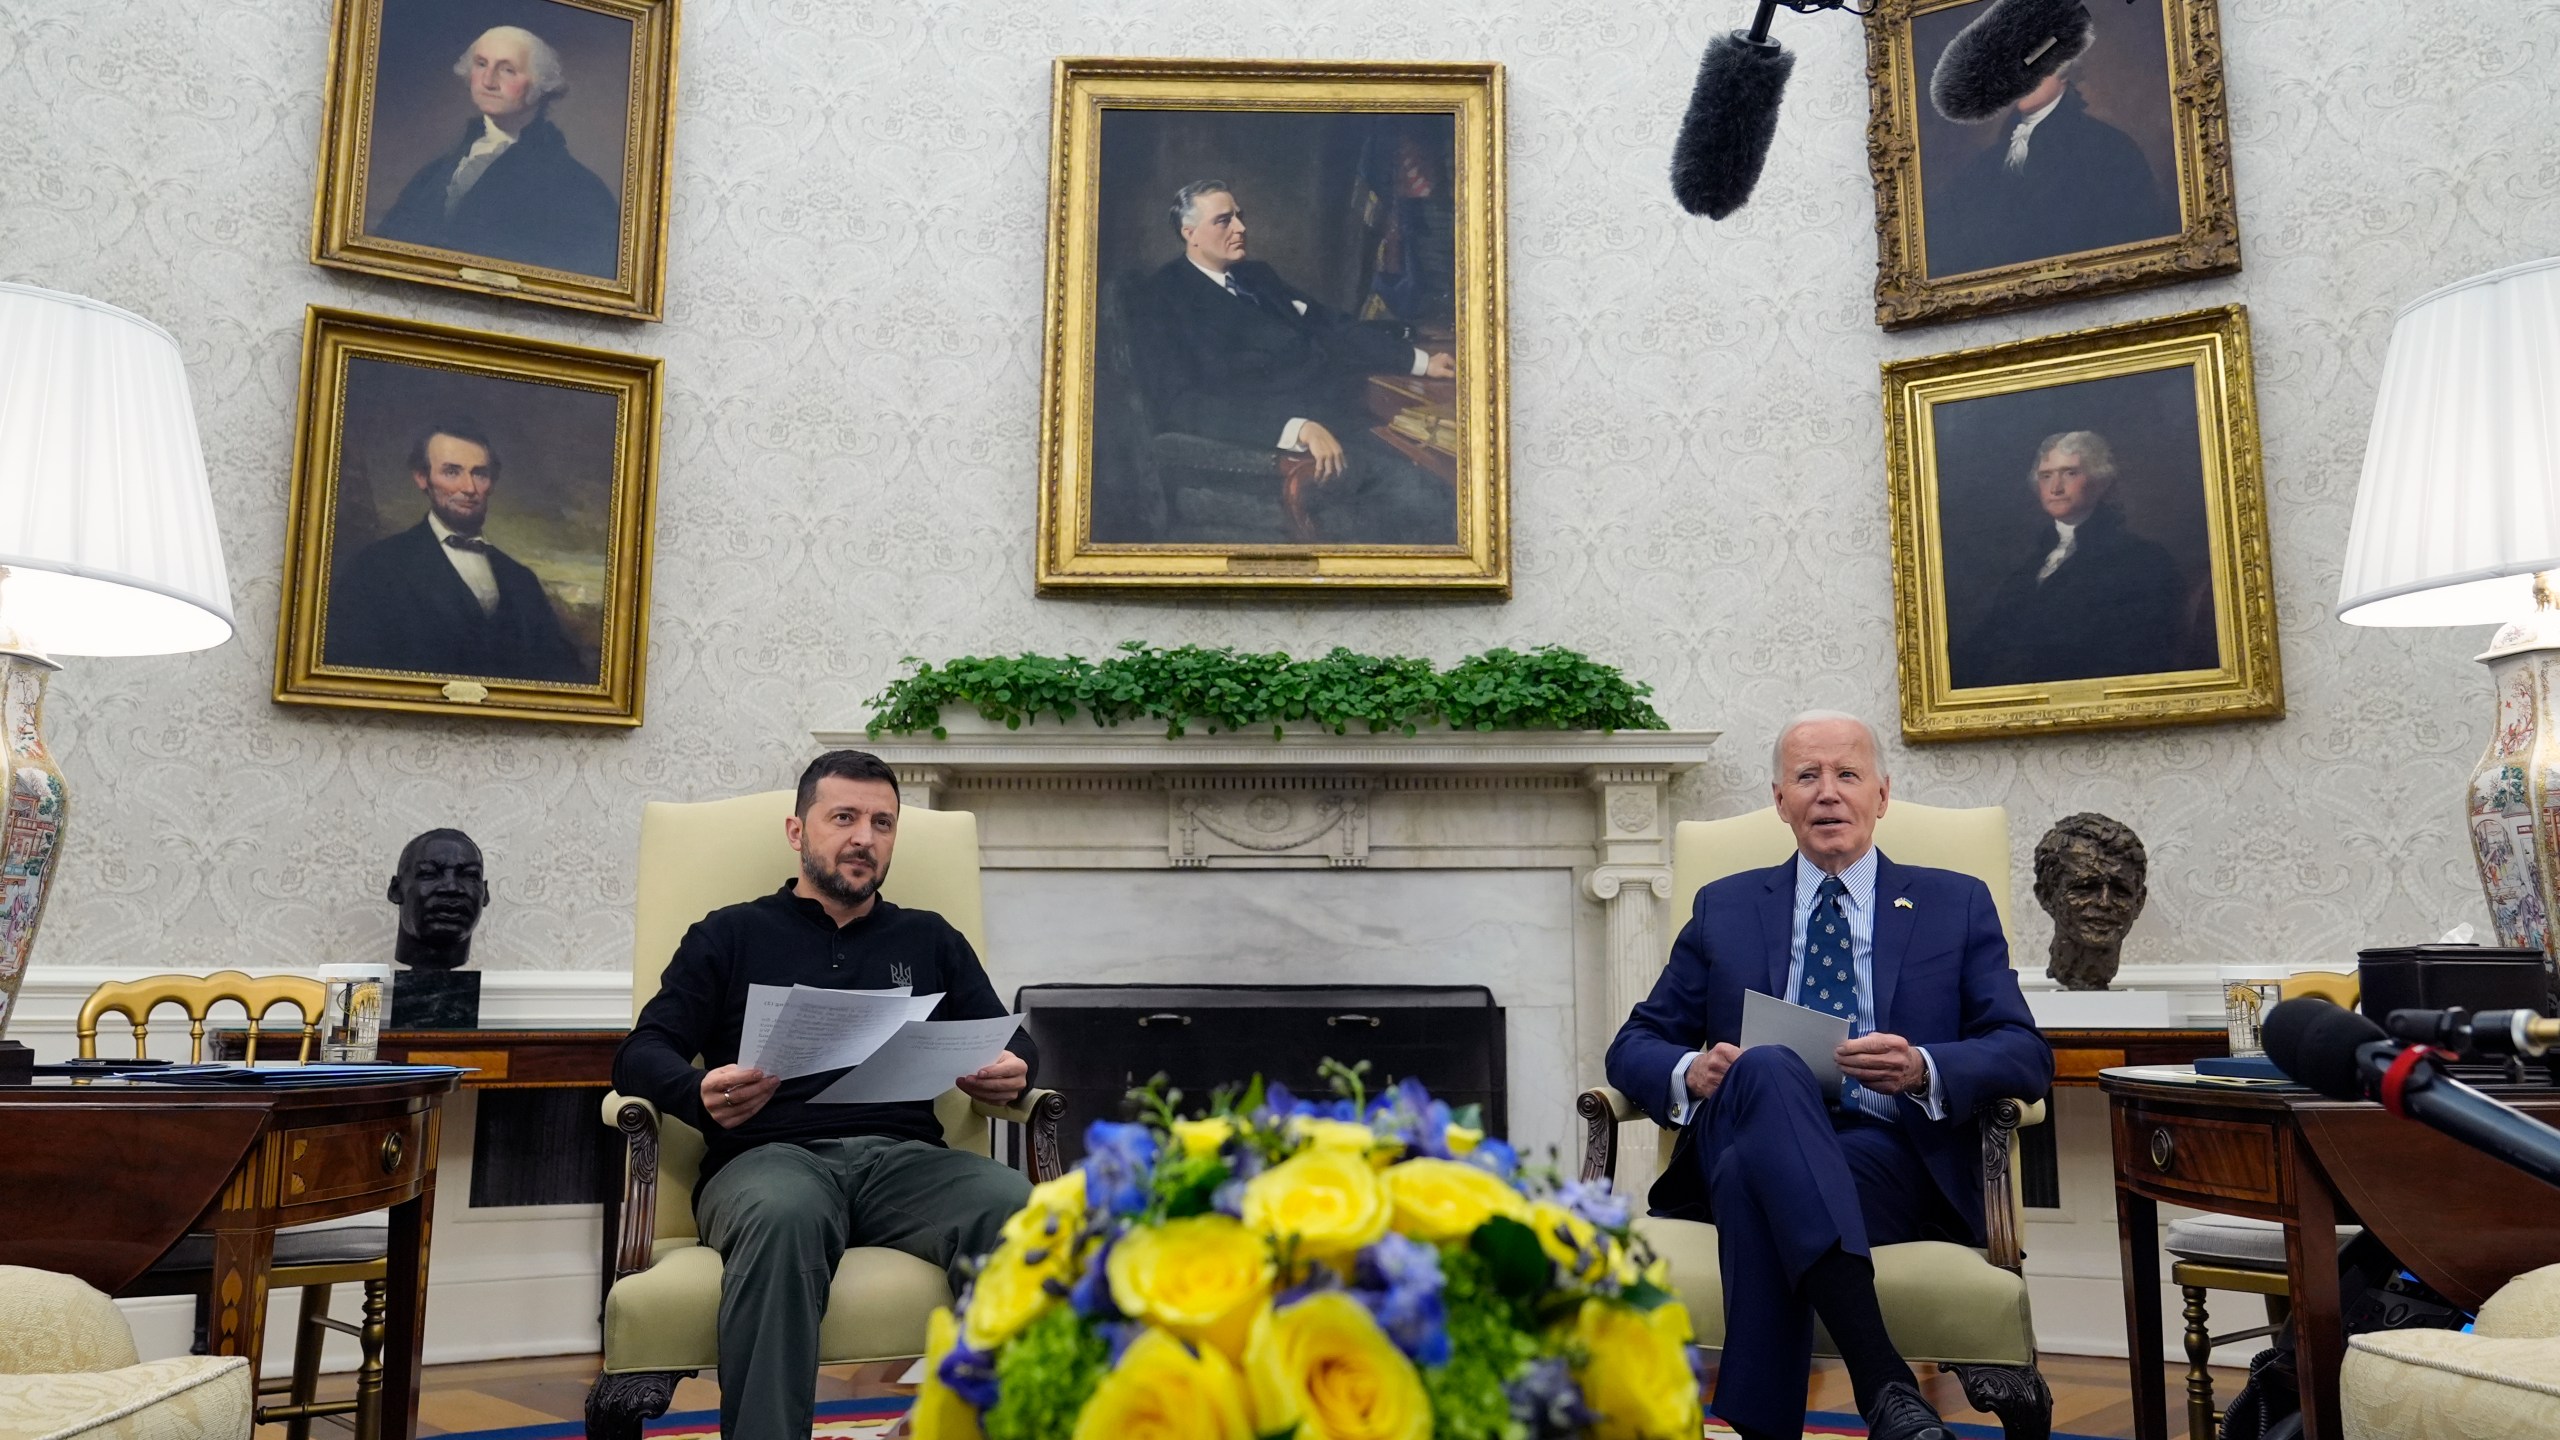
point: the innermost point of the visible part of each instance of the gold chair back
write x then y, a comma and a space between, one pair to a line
2338, 989
258, 995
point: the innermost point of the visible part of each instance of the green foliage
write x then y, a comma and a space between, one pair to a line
1044, 1376
1487, 1347
1548, 688
1514, 1262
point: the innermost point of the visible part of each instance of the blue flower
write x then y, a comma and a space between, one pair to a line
1119, 1335
1118, 1163
1408, 1113
1494, 1154
970, 1374
1548, 1404
1229, 1199
1091, 1297
1279, 1104
1595, 1201
1398, 1279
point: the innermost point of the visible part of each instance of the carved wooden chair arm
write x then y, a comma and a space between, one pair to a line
2000, 1120
1602, 1109
1038, 1112
637, 1119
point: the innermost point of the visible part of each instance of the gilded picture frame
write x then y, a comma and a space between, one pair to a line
470, 525
516, 148
1321, 405
2121, 179
2079, 530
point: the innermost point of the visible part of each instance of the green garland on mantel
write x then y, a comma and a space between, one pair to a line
1549, 688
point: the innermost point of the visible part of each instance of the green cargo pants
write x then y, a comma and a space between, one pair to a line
781, 1216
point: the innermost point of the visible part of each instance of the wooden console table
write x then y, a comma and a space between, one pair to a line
2078, 1055
496, 1059
2461, 1221
105, 1175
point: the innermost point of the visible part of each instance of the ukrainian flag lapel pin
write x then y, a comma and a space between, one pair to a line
1902, 902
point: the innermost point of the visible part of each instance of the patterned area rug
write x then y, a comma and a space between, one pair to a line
866, 1419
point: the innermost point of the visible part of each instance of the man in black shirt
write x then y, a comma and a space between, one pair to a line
788, 1185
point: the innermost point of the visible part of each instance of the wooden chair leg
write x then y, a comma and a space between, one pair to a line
619, 1405
369, 1371
2016, 1393
2201, 1419
308, 1336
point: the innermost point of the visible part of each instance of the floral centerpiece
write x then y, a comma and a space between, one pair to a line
1360, 1267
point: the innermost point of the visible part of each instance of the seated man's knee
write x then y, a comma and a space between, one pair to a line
1764, 1067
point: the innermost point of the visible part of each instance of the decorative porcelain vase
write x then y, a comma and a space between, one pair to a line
2514, 801
33, 824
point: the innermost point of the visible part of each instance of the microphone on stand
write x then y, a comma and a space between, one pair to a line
2344, 1056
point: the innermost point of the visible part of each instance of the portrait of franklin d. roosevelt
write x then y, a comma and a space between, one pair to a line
1276, 331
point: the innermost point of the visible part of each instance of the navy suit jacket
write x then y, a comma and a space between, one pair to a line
1942, 980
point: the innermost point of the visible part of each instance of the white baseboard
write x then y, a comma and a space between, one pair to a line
492, 1318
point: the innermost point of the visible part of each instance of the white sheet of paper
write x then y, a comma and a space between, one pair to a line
921, 1060
1768, 1020
805, 1029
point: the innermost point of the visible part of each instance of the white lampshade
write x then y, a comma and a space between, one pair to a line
2460, 501
106, 520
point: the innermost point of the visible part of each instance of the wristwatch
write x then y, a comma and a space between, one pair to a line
1920, 1092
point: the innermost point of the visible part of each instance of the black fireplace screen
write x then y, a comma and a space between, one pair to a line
1098, 1042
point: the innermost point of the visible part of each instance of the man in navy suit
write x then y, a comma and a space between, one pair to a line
1229, 350
1799, 1181
438, 598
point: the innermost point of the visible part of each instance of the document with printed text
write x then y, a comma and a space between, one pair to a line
1768, 1020
796, 1030
921, 1061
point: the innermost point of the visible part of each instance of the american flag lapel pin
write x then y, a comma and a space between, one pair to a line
1902, 902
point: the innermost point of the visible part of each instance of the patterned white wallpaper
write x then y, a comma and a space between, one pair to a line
852, 342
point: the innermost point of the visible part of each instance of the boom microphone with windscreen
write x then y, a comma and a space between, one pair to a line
2007, 51
2322, 1046
1733, 115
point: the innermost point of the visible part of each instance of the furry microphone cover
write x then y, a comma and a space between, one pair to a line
1733, 115
1985, 68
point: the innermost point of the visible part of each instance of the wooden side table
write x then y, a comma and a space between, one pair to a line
106, 1175
2458, 1219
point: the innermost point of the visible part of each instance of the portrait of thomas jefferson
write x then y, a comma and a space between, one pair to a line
2053, 175
437, 597
2087, 596
506, 185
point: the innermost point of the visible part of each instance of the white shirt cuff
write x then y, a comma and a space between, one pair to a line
1289, 435
1935, 1107
1678, 1110
1421, 364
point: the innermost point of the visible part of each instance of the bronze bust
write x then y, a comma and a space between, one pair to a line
440, 891
2092, 878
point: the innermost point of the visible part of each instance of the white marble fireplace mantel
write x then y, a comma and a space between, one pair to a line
1239, 811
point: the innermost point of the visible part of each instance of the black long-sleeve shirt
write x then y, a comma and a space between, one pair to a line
783, 939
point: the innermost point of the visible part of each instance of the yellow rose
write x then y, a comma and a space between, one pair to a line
1330, 1200
938, 1413
1461, 1139
1162, 1391
1200, 1138
1638, 1379
1203, 1278
1573, 1242
1324, 1366
1053, 1213
1011, 1291
1317, 1134
1444, 1200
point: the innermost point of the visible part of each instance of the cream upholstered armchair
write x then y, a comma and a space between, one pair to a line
68, 1368
1959, 1307
660, 1316
2499, 1378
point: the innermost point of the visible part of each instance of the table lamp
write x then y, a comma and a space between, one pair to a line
2457, 522
107, 547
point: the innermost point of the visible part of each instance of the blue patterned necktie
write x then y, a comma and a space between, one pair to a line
1830, 984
